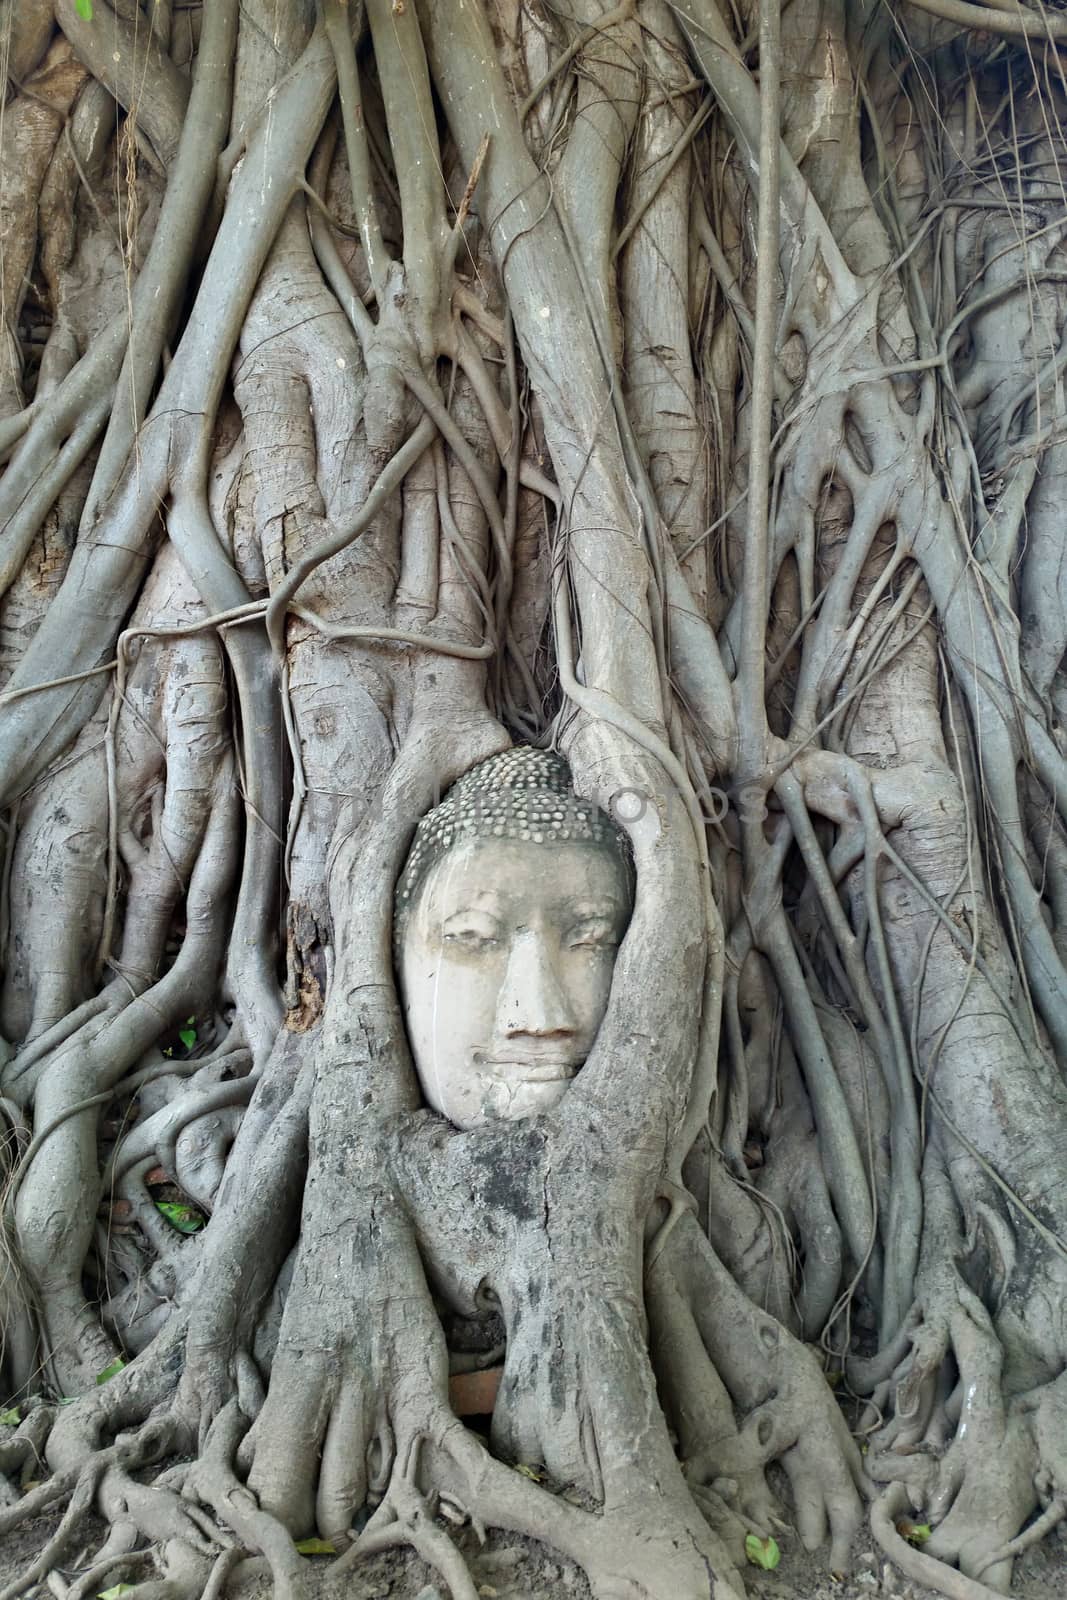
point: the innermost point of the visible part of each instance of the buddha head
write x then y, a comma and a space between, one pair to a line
509, 912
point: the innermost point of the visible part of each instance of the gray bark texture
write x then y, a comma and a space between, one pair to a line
679, 383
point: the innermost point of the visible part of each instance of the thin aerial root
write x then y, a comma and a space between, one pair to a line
388, 482
619, 13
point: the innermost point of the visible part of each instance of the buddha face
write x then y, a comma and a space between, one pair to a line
505, 971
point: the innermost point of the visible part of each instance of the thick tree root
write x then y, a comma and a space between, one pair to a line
776, 1385
912, 1561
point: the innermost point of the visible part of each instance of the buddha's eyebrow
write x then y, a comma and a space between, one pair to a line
485, 900
464, 892
582, 910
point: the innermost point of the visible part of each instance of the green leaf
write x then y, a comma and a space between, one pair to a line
529, 1472
117, 1589
762, 1552
110, 1371
10, 1418
184, 1218
315, 1547
914, 1532
84, 8
187, 1035
66, 1399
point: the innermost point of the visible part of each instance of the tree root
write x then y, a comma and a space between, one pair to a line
121, 1567
790, 1413
912, 1562
1041, 1526
83, 1492
38, 1499
406, 1517
624, 1554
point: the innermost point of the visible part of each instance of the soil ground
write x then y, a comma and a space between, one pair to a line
512, 1568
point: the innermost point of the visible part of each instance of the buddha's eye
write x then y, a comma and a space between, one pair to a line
467, 936
596, 934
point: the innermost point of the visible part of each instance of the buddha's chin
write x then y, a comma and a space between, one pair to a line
498, 1092
511, 1100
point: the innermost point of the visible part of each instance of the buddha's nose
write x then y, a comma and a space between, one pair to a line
533, 1000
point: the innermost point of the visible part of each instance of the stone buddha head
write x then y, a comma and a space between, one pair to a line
509, 912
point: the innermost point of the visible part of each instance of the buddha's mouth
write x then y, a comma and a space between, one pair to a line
533, 1071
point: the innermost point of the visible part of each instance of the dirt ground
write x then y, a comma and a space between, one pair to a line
512, 1568
1041, 1575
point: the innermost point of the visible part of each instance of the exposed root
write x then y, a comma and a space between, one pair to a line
789, 1413
125, 1567
912, 1562
406, 1518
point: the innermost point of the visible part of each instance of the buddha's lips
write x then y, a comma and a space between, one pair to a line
533, 1071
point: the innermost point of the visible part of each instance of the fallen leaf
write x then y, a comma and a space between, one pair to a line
315, 1547
762, 1552
184, 1218
116, 1366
